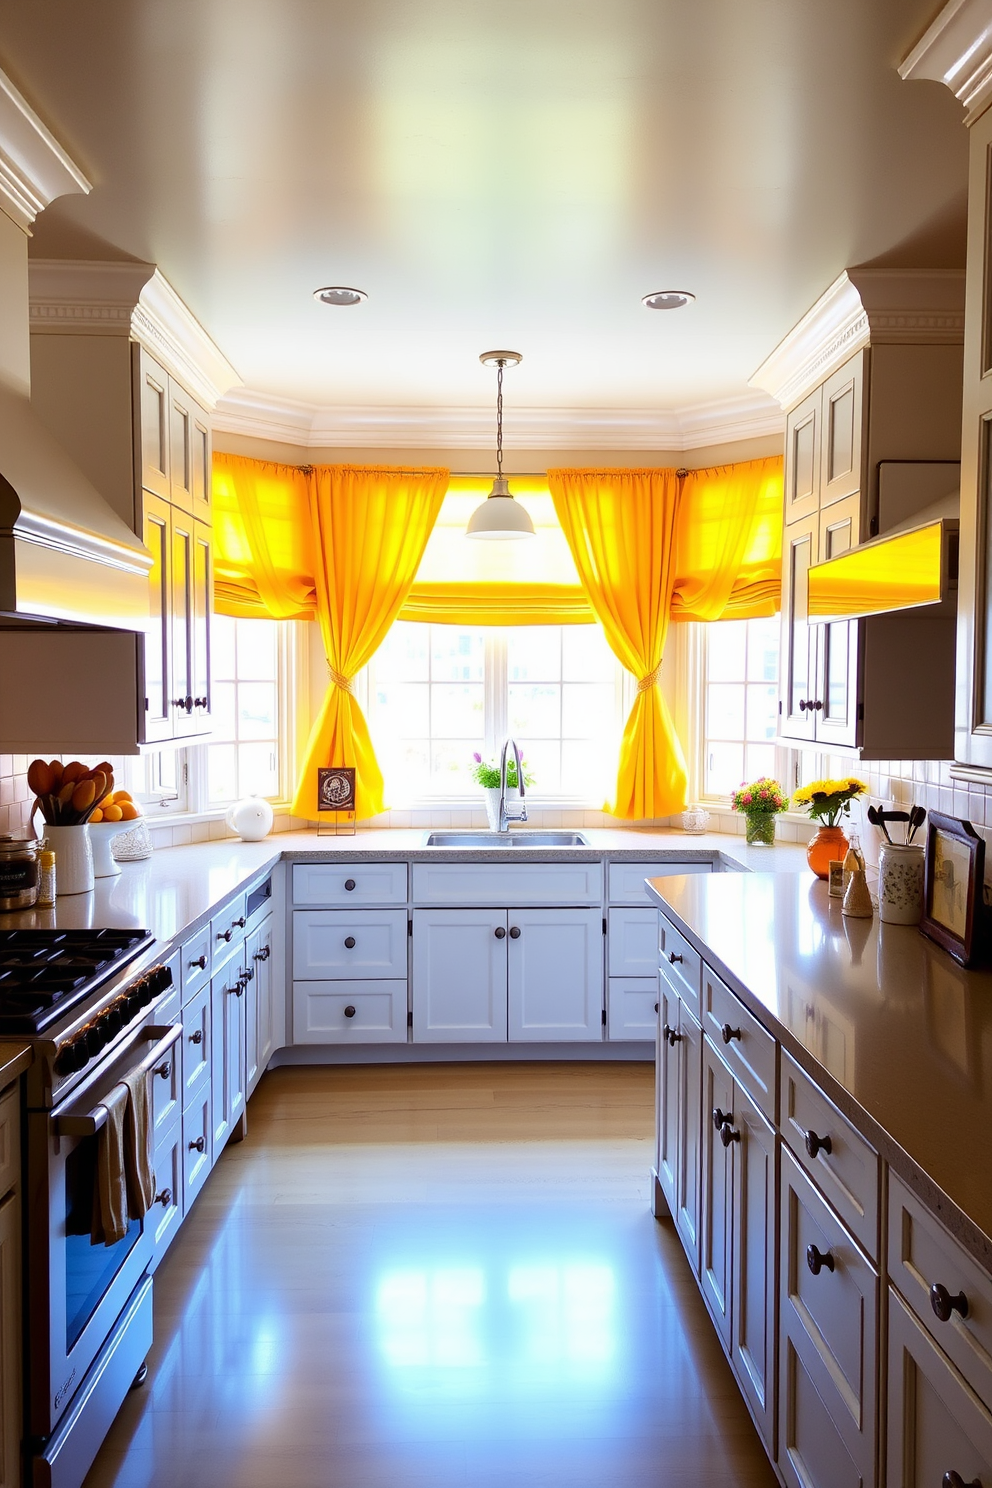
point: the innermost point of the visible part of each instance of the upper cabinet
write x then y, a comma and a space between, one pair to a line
869, 377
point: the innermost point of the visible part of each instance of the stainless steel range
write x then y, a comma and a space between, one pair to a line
87, 1000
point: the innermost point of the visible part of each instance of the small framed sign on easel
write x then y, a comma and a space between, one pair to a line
336, 801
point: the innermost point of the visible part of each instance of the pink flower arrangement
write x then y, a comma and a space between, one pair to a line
762, 797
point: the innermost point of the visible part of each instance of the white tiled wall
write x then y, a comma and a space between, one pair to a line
15, 798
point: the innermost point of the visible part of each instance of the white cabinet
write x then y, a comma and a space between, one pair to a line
11, 1283
555, 975
342, 943
361, 1012
259, 1010
688, 1177
167, 1211
627, 879
495, 885
227, 1081
459, 976
631, 1008
633, 942
349, 885
666, 1133
717, 1190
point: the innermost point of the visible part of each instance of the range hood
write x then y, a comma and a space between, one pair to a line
65, 555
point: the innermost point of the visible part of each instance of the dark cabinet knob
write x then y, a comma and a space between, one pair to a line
673, 957
719, 1117
201, 702
350, 1010
240, 923
670, 1036
249, 974
349, 941
500, 932
350, 884
727, 1033
954, 1479
224, 934
165, 1070
164, 1198
201, 962
802, 705
817, 705
944, 1304
728, 1134
656, 1007
816, 1260
514, 932
196, 1037
199, 1144
239, 987
815, 1144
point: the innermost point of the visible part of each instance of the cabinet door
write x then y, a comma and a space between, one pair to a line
153, 418
180, 447
11, 1350
181, 611
555, 975
202, 590
227, 1054
259, 1012
717, 1168
156, 645
253, 969
837, 662
197, 1150
202, 461
937, 1425
843, 424
167, 1210
753, 1310
798, 680
802, 459
667, 1092
633, 942
688, 1175
459, 976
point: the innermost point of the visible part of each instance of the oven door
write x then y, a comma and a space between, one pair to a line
78, 1290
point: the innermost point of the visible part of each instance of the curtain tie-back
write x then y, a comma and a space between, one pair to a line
339, 679
651, 680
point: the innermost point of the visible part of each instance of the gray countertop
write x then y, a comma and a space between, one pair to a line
896, 1033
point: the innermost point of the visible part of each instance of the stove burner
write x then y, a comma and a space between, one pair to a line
45, 972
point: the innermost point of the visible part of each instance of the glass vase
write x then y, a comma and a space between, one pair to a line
759, 828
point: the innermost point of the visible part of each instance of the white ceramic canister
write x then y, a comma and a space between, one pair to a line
73, 858
900, 884
251, 818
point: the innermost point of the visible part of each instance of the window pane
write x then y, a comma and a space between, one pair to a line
222, 772
256, 710
762, 649
257, 770
450, 763
725, 711
533, 653
257, 649
456, 655
457, 711
588, 711
406, 705
534, 712
223, 704
542, 759
724, 768
762, 712
222, 633
404, 655
725, 651
760, 760
588, 773
586, 655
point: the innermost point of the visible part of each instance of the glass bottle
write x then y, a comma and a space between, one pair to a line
854, 859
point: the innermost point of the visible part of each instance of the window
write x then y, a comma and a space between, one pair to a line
740, 702
244, 755
439, 693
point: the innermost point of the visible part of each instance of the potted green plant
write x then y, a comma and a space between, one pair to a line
486, 774
827, 801
760, 802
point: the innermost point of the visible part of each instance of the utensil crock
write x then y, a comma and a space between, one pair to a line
73, 858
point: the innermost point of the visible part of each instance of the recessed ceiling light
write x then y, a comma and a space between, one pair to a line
668, 299
338, 294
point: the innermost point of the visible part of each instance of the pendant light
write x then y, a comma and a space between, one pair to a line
500, 516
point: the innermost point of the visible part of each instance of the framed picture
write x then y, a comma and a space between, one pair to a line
952, 886
336, 788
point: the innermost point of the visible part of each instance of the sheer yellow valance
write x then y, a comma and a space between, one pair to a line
728, 542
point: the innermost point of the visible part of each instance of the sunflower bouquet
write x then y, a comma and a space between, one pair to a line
827, 801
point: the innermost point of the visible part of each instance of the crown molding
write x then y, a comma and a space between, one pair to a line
264, 416
956, 50
884, 306
34, 168
82, 298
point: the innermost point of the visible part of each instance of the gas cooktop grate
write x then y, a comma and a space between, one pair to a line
45, 972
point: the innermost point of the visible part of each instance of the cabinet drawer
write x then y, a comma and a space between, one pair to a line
10, 1140
681, 966
167, 1210
196, 962
748, 1049
227, 931
632, 946
922, 1255
828, 1351
349, 883
631, 1008
495, 885
332, 944
197, 1149
349, 1012
626, 880
166, 1082
196, 1045
842, 1165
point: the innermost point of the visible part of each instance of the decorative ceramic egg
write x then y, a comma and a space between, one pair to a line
250, 818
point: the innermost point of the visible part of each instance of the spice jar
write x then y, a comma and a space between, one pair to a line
20, 871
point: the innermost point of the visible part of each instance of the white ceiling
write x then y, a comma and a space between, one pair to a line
494, 175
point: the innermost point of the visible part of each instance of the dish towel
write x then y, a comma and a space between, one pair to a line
138, 1122
110, 1217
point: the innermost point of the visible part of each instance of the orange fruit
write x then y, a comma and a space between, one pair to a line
113, 813
96, 815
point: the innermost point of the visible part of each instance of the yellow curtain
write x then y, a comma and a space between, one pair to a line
728, 543
263, 550
369, 525
621, 527
497, 604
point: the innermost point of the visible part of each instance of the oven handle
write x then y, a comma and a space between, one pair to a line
88, 1124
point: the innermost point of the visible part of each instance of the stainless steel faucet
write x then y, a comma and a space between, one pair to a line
504, 816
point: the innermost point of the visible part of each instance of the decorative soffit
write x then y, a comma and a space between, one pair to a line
78, 297
881, 306
34, 168
956, 50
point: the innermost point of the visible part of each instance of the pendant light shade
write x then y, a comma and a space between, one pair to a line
500, 517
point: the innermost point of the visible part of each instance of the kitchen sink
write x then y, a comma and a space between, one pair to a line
505, 839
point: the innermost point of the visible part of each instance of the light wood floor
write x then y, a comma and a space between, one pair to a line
434, 1277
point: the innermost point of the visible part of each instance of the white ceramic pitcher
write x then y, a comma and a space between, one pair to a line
73, 858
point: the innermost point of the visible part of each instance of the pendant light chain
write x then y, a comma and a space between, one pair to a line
499, 417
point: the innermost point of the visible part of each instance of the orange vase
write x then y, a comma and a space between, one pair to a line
827, 846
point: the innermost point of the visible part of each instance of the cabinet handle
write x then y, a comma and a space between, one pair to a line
350, 1010
817, 705
815, 1144
164, 1198
944, 1304
349, 941
728, 1134
720, 1117
201, 702
803, 705
201, 962
224, 934
196, 1037
500, 932
727, 1033
669, 1034
656, 1009
514, 932
817, 1259
199, 1144
954, 1479
240, 923
238, 988
165, 1070
249, 974
350, 884
184, 704
673, 957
